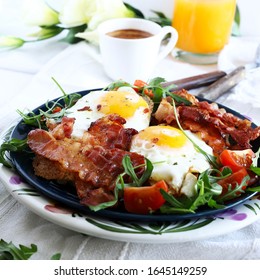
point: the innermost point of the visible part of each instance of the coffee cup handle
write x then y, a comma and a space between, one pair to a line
170, 44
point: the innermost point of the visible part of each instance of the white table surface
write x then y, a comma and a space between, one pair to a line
25, 76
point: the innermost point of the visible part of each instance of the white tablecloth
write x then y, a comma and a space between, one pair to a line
25, 76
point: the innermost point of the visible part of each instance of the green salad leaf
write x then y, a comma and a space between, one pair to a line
8, 251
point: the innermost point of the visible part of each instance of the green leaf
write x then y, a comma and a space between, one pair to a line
56, 256
38, 119
155, 82
147, 173
233, 192
129, 170
8, 251
256, 170
117, 84
253, 189
160, 91
236, 23
70, 38
13, 145
161, 19
179, 99
47, 32
137, 12
172, 200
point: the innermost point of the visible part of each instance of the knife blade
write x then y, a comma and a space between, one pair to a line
226, 83
218, 82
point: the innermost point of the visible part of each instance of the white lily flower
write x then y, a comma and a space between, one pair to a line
38, 13
104, 10
90, 36
92, 12
77, 12
11, 42
108, 10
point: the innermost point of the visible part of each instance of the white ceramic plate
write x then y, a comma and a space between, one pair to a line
161, 232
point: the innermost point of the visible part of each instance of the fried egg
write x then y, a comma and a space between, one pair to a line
97, 104
173, 156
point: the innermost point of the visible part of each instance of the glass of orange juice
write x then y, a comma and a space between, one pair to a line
204, 28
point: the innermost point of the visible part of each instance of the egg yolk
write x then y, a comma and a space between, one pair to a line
164, 136
124, 104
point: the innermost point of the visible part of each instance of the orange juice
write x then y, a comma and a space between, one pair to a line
204, 26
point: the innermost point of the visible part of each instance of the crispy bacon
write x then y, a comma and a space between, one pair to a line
219, 129
92, 163
64, 129
97, 186
110, 133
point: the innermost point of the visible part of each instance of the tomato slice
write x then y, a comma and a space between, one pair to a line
143, 200
140, 83
236, 160
236, 177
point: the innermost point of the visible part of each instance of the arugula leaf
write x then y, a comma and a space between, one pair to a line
233, 192
38, 120
13, 145
8, 251
207, 190
56, 256
129, 169
160, 92
253, 189
172, 200
117, 190
117, 84
255, 169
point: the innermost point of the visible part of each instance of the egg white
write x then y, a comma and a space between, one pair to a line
97, 104
173, 156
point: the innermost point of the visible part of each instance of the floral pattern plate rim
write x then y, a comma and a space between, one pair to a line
155, 232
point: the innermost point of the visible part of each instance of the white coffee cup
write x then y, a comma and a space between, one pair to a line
131, 59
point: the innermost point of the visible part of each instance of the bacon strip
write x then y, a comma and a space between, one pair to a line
219, 129
92, 167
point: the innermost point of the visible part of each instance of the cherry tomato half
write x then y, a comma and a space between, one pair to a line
236, 160
143, 200
236, 177
140, 83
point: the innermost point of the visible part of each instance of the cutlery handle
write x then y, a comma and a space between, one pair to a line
196, 81
223, 85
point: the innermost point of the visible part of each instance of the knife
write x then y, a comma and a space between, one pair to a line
219, 82
224, 84
229, 81
197, 81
